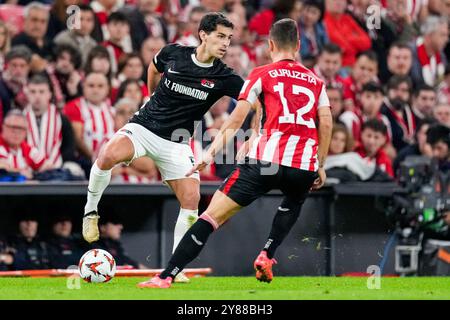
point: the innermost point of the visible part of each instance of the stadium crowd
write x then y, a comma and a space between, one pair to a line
67, 84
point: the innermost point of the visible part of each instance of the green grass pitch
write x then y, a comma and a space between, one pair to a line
229, 288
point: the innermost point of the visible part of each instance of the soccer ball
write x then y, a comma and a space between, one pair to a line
97, 265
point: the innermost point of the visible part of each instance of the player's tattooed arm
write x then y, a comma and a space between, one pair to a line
153, 78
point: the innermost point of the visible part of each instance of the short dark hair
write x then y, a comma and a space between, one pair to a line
118, 16
375, 125
39, 79
74, 53
396, 80
319, 4
369, 54
400, 45
372, 86
85, 7
438, 133
331, 48
197, 9
211, 20
284, 33
423, 87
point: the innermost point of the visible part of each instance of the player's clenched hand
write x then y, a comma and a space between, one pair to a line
320, 181
199, 166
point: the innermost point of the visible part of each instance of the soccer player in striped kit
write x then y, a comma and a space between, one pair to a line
293, 102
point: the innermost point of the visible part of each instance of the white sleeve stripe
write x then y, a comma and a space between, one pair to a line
254, 91
323, 98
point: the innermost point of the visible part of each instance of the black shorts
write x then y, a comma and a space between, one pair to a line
251, 180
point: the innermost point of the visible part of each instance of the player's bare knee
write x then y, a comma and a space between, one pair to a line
189, 199
107, 158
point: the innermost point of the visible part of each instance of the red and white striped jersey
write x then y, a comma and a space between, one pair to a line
46, 134
98, 122
290, 95
23, 158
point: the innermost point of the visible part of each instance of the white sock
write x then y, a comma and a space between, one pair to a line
186, 218
98, 181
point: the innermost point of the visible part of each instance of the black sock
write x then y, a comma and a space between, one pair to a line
189, 248
282, 224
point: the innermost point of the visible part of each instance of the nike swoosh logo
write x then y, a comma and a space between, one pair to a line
172, 71
196, 241
283, 209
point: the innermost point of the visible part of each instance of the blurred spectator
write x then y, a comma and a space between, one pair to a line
5, 43
102, 9
110, 233
341, 140
237, 59
64, 74
99, 61
442, 114
131, 66
382, 31
145, 21
119, 28
6, 256
190, 34
438, 136
48, 130
364, 71
91, 116
33, 35
342, 163
16, 155
396, 108
399, 20
125, 108
373, 139
444, 87
141, 170
131, 89
423, 102
262, 54
429, 59
31, 252
344, 31
59, 15
64, 249
328, 65
371, 102
14, 79
80, 37
150, 47
420, 148
12, 15
313, 35
399, 61
261, 22
336, 102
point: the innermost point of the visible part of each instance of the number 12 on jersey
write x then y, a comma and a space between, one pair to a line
291, 118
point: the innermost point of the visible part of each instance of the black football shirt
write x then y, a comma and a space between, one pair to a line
188, 88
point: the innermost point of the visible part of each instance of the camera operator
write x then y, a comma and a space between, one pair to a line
438, 136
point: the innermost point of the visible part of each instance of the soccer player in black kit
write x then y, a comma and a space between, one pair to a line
191, 80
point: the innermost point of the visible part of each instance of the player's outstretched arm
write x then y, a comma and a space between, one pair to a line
153, 78
227, 132
325, 127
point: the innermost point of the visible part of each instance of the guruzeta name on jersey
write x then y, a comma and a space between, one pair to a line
192, 92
